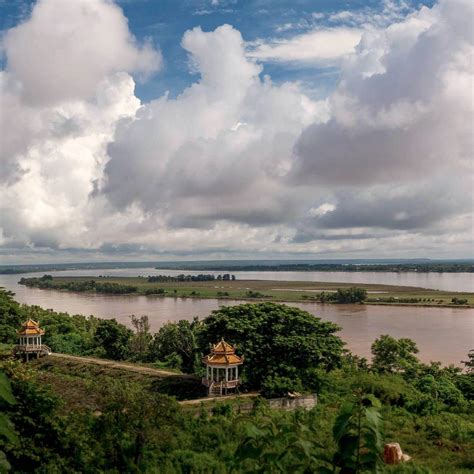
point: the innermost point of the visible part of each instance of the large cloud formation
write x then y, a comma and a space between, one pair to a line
219, 150
402, 117
235, 163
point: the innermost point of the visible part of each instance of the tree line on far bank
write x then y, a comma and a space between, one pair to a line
182, 277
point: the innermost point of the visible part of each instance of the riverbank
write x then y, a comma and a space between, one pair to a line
260, 290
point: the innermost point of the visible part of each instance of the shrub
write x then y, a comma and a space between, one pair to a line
275, 386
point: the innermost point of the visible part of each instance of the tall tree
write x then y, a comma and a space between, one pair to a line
177, 338
275, 339
393, 355
113, 338
141, 340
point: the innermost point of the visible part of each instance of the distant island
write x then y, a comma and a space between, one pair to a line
227, 287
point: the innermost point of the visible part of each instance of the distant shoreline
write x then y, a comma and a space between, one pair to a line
371, 265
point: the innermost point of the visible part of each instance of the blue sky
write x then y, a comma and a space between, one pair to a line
163, 22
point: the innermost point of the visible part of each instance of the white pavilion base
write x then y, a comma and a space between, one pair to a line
30, 351
220, 387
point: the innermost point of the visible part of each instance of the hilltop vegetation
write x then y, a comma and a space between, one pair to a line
69, 418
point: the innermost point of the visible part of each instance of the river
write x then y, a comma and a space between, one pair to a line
444, 334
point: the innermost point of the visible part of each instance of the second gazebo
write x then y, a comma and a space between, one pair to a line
222, 369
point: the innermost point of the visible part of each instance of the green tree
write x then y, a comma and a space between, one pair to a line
113, 338
176, 339
275, 339
141, 340
349, 295
11, 317
469, 364
393, 355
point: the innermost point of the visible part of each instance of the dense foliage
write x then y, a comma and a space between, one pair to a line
279, 343
80, 421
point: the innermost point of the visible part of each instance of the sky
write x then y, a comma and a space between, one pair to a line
227, 129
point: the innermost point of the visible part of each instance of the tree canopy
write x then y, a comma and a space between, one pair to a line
393, 355
114, 338
276, 340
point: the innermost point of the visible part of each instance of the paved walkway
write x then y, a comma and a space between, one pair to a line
121, 365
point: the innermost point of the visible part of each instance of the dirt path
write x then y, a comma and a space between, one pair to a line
120, 365
150, 371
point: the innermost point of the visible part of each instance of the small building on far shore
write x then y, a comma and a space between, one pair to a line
29, 341
222, 369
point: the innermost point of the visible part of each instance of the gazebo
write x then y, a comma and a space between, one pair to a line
222, 369
29, 341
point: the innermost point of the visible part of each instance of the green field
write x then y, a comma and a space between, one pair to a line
282, 291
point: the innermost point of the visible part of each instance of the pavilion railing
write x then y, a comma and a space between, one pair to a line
225, 384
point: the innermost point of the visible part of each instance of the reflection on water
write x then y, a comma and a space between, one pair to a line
445, 334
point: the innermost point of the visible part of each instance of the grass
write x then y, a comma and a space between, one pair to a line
75, 382
282, 291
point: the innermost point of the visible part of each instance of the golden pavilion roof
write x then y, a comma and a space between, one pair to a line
30, 328
223, 353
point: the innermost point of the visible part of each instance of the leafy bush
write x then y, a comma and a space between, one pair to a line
276, 386
441, 389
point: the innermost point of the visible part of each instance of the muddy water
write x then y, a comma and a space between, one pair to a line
444, 334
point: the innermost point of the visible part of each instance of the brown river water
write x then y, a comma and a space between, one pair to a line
443, 334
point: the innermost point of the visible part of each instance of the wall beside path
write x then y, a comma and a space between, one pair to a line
292, 403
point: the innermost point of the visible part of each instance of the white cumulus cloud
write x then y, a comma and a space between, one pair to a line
237, 164
67, 47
